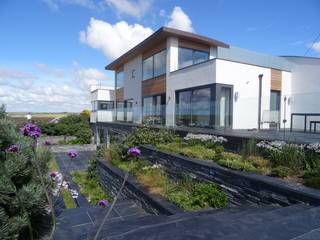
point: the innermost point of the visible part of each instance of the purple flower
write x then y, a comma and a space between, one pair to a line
103, 203
13, 148
134, 151
72, 153
31, 130
53, 174
47, 142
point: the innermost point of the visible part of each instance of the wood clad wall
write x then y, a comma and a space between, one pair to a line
155, 49
119, 94
193, 45
154, 86
276, 79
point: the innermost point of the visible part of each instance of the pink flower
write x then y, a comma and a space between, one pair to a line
72, 153
13, 148
103, 203
134, 152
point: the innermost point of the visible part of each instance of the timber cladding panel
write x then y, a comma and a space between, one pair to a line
276, 79
154, 86
119, 94
193, 45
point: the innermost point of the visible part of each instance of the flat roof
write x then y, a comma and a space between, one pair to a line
158, 36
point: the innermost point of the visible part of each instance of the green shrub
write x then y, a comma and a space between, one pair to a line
209, 195
22, 199
219, 150
147, 135
89, 187
92, 167
239, 164
281, 171
71, 125
290, 155
193, 151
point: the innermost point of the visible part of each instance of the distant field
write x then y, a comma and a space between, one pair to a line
19, 118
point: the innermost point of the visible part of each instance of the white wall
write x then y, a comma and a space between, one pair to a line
102, 95
305, 88
245, 81
193, 76
286, 91
132, 85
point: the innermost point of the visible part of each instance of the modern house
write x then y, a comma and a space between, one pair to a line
177, 78
102, 104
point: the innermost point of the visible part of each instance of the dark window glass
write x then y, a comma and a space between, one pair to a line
148, 68
159, 63
119, 79
194, 107
199, 56
201, 99
188, 57
185, 57
106, 105
275, 101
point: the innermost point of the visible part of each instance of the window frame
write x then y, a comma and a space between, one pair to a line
117, 73
193, 58
152, 56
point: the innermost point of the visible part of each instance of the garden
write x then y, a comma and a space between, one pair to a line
289, 161
31, 183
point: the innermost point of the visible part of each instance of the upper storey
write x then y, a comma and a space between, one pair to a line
157, 42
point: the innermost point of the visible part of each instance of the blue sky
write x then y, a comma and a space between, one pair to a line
52, 50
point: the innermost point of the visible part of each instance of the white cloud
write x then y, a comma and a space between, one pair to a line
71, 93
180, 20
52, 71
316, 46
113, 40
16, 78
55, 4
129, 7
88, 77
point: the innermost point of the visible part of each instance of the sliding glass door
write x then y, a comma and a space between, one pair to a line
207, 106
154, 109
194, 107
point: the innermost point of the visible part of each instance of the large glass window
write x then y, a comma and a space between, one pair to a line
155, 65
154, 109
119, 79
188, 57
148, 68
159, 63
194, 107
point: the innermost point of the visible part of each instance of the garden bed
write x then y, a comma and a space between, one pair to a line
111, 179
241, 187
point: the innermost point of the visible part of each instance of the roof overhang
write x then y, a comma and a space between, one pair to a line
158, 37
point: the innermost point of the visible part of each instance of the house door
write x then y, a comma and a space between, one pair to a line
225, 107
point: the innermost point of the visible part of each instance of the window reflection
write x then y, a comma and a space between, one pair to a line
119, 79
154, 109
155, 65
188, 57
193, 107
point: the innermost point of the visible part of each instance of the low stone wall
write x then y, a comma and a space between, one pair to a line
242, 188
111, 179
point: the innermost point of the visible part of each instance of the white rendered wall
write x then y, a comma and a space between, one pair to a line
286, 90
132, 85
102, 95
305, 88
193, 76
245, 81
